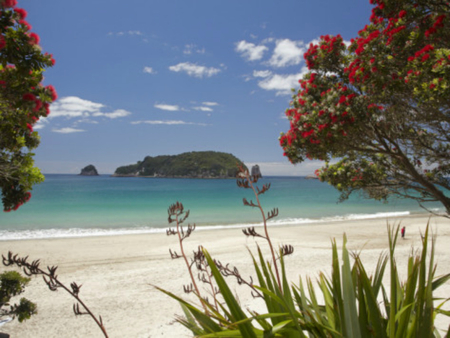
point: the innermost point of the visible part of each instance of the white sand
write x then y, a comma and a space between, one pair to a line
117, 272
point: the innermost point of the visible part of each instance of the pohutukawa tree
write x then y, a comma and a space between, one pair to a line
380, 105
23, 100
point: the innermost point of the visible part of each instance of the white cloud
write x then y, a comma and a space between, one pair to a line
262, 73
84, 111
191, 48
168, 107
210, 103
267, 40
202, 108
250, 51
134, 32
149, 70
195, 70
287, 53
89, 121
39, 125
115, 114
282, 83
130, 32
168, 122
67, 130
72, 106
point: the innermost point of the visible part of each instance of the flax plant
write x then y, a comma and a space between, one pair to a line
355, 303
178, 215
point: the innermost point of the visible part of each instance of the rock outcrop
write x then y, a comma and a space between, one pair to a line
89, 170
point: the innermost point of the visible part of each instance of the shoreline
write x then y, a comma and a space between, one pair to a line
75, 232
117, 272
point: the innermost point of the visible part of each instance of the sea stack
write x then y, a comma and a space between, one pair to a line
90, 170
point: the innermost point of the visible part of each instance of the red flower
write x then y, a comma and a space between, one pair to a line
402, 14
34, 39
52, 60
21, 13
9, 3
425, 57
30, 127
26, 24
342, 99
2, 42
432, 86
38, 105
29, 97
322, 126
53, 93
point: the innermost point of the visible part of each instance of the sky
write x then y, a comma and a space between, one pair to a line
149, 78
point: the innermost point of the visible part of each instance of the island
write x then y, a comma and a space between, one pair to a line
89, 170
196, 164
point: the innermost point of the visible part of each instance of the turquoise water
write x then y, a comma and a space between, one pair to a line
71, 205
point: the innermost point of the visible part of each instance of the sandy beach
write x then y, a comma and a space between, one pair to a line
117, 272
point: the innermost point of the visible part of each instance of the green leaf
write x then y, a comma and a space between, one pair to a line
245, 328
350, 311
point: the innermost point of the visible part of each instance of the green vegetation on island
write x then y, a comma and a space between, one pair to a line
196, 164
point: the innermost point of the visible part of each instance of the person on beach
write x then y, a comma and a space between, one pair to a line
403, 232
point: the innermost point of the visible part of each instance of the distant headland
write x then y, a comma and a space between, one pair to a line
196, 164
89, 170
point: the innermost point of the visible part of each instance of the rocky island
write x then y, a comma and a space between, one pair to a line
196, 164
89, 170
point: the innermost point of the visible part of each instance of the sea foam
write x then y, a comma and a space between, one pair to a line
6, 235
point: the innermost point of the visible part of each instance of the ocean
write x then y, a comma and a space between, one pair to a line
74, 206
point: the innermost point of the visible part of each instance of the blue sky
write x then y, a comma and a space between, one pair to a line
148, 78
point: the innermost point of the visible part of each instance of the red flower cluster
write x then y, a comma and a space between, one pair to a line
51, 58
437, 24
8, 3
34, 39
423, 52
25, 199
22, 14
28, 97
310, 55
356, 72
2, 42
26, 25
361, 42
53, 93
329, 44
